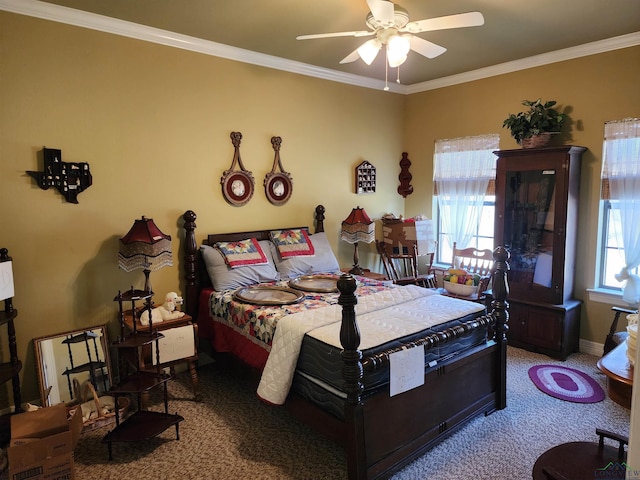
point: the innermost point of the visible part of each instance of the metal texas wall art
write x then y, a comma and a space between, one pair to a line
69, 178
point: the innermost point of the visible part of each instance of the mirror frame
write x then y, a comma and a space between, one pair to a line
79, 351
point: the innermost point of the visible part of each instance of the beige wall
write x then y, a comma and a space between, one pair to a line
593, 89
153, 122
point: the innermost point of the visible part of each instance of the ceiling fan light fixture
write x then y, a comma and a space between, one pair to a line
368, 51
397, 50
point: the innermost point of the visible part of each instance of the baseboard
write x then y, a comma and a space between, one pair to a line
591, 348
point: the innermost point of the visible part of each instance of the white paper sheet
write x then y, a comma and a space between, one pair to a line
178, 343
406, 370
6, 280
542, 272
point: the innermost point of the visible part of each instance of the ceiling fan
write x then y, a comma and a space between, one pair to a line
390, 25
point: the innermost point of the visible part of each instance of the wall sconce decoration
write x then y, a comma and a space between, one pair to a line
69, 179
144, 241
405, 177
356, 228
365, 178
278, 186
237, 186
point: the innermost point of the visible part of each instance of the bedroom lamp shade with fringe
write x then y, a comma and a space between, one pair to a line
357, 228
145, 247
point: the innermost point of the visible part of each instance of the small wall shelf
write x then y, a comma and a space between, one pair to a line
365, 178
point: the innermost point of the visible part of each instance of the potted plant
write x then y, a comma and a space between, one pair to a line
534, 127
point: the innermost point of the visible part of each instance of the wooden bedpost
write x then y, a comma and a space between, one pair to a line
319, 219
190, 265
499, 310
352, 374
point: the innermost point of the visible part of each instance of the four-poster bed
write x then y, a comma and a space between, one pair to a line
348, 397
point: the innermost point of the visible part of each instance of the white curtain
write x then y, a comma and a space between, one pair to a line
463, 168
621, 166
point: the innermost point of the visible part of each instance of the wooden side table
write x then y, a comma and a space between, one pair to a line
616, 366
583, 460
146, 360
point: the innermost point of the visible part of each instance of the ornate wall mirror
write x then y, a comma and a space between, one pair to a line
67, 361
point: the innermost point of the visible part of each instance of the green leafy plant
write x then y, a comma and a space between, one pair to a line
540, 118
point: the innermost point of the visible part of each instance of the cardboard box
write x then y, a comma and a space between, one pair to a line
42, 444
402, 236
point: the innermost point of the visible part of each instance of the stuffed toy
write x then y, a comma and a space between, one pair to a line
166, 311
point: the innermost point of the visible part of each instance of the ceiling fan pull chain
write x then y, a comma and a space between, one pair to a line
398, 79
386, 71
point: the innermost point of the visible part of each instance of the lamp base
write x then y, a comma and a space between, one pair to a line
356, 270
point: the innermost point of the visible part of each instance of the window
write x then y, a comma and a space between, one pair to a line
464, 183
620, 209
612, 252
481, 238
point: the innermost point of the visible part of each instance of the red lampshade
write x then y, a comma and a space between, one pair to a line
144, 241
358, 227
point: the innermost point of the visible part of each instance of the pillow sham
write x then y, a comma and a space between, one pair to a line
224, 277
324, 261
242, 253
292, 243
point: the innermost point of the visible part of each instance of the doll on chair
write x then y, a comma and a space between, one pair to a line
166, 311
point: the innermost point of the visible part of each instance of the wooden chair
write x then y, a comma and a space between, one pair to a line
615, 338
402, 268
473, 260
478, 262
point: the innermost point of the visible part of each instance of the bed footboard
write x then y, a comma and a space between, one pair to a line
385, 433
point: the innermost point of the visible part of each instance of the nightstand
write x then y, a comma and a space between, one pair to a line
145, 360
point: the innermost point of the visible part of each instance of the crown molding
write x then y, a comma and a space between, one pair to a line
593, 48
70, 16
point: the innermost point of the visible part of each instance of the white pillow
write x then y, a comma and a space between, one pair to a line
324, 261
224, 277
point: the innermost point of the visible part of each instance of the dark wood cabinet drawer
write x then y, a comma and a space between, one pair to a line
550, 329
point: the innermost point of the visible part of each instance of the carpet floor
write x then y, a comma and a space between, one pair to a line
231, 434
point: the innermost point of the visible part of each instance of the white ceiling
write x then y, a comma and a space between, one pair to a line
513, 29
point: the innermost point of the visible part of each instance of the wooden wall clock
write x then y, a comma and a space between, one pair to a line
278, 186
237, 185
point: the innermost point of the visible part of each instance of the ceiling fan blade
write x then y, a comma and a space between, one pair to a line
352, 57
382, 11
426, 48
361, 33
471, 19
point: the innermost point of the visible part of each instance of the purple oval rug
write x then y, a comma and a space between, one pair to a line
566, 384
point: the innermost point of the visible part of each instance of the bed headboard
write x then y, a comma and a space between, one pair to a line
195, 273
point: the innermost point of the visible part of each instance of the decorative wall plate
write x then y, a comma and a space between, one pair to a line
268, 295
278, 185
238, 185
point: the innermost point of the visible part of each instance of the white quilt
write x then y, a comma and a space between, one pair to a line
381, 317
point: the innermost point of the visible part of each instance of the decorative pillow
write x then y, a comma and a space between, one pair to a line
324, 261
242, 253
292, 243
224, 277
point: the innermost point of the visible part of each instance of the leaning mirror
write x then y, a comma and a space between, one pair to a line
68, 361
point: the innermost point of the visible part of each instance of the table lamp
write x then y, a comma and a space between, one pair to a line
356, 228
143, 242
